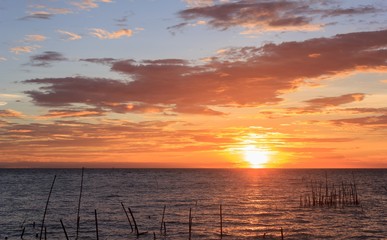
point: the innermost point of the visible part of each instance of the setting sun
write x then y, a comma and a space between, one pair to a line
256, 157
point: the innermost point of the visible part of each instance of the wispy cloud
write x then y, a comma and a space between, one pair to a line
103, 34
2, 59
88, 4
69, 35
34, 38
24, 49
73, 113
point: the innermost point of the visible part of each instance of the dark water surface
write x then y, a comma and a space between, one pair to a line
254, 202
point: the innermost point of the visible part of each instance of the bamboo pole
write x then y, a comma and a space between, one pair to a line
45, 210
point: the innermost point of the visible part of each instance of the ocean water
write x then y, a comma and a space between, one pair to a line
255, 203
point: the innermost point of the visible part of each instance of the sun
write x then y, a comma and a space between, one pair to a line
256, 157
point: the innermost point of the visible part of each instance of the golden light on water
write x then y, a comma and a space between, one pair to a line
256, 157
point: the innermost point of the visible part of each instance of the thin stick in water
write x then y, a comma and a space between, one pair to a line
221, 221
79, 204
45, 210
64, 229
162, 220
134, 221
189, 224
96, 223
127, 216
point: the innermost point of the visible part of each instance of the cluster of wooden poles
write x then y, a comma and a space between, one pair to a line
130, 217
326, 194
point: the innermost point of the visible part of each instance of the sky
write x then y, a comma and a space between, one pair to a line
193, 83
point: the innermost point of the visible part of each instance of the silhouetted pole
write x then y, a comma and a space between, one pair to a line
45, 210
134, 221
162, 220
79, 204
96, 223
64, 229
127, 216
189, 224
221, 221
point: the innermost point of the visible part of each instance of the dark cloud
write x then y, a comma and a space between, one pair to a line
238, 77
268, 14
46, 58
105, 61
38, 15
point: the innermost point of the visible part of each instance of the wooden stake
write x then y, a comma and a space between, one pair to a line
127, 216
21, 236
221, 221
79, 204
134, 221
189, 224
96, 223
162, 220
64, 229
45, 210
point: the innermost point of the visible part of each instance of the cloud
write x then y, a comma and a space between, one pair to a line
9, 113
248, 76
46, 58
38, 15
88, 4
24, 49
249, 14
371, 121
199, 3
267, 15
2, 59
85, 4
34, 38
103, 34
44, 12
335, 101
73, 113
69, 35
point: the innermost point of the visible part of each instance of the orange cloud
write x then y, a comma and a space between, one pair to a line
103, 34
9, 113
35, 38
69, 35
24, 49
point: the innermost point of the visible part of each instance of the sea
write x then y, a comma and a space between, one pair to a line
193, 203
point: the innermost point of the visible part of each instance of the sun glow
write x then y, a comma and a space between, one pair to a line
256, 157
